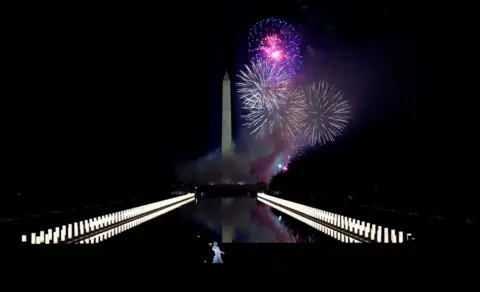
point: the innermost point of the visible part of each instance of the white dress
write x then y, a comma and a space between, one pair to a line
217, 258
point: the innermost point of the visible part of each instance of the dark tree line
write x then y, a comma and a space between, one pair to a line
386, 166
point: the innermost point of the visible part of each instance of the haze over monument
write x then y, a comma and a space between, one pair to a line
224, 165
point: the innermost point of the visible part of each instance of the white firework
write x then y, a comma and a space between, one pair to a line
281, 119
325, 113
263, 84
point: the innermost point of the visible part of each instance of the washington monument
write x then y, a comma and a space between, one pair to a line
227, 144
227, 151
224, 165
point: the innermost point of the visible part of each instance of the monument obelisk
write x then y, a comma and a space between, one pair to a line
226, 147
227, 143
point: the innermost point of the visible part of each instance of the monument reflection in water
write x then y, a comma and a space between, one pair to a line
237, 219
230, 219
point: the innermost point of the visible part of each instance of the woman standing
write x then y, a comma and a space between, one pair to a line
217, 258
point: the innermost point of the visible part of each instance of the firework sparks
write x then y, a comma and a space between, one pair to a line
263, 84
276, 40
325, 113
272, 48
282, 118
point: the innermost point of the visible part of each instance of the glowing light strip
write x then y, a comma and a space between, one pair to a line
364, 229
97, 238
69, 232
322, 228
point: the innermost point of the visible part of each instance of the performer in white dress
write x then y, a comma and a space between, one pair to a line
217, 258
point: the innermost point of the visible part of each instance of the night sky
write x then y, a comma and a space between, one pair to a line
103, 99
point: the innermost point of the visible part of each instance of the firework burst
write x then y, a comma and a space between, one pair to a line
282, 119
277, 41
325, 113
263, 84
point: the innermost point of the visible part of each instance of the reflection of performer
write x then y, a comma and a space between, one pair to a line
217, 258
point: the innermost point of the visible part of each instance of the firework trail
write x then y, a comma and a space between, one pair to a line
325, 113
276, 40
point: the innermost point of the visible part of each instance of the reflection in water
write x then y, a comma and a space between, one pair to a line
237, 219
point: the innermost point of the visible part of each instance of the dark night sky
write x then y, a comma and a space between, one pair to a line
105, 98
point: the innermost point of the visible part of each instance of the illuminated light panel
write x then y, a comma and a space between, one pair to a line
367, 230
77, 229
122, 228
322, 228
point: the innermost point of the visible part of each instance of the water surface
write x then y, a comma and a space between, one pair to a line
236, 219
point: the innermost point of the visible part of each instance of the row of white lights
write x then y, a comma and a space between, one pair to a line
124, 227
69, 232
367, 230
322, 228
